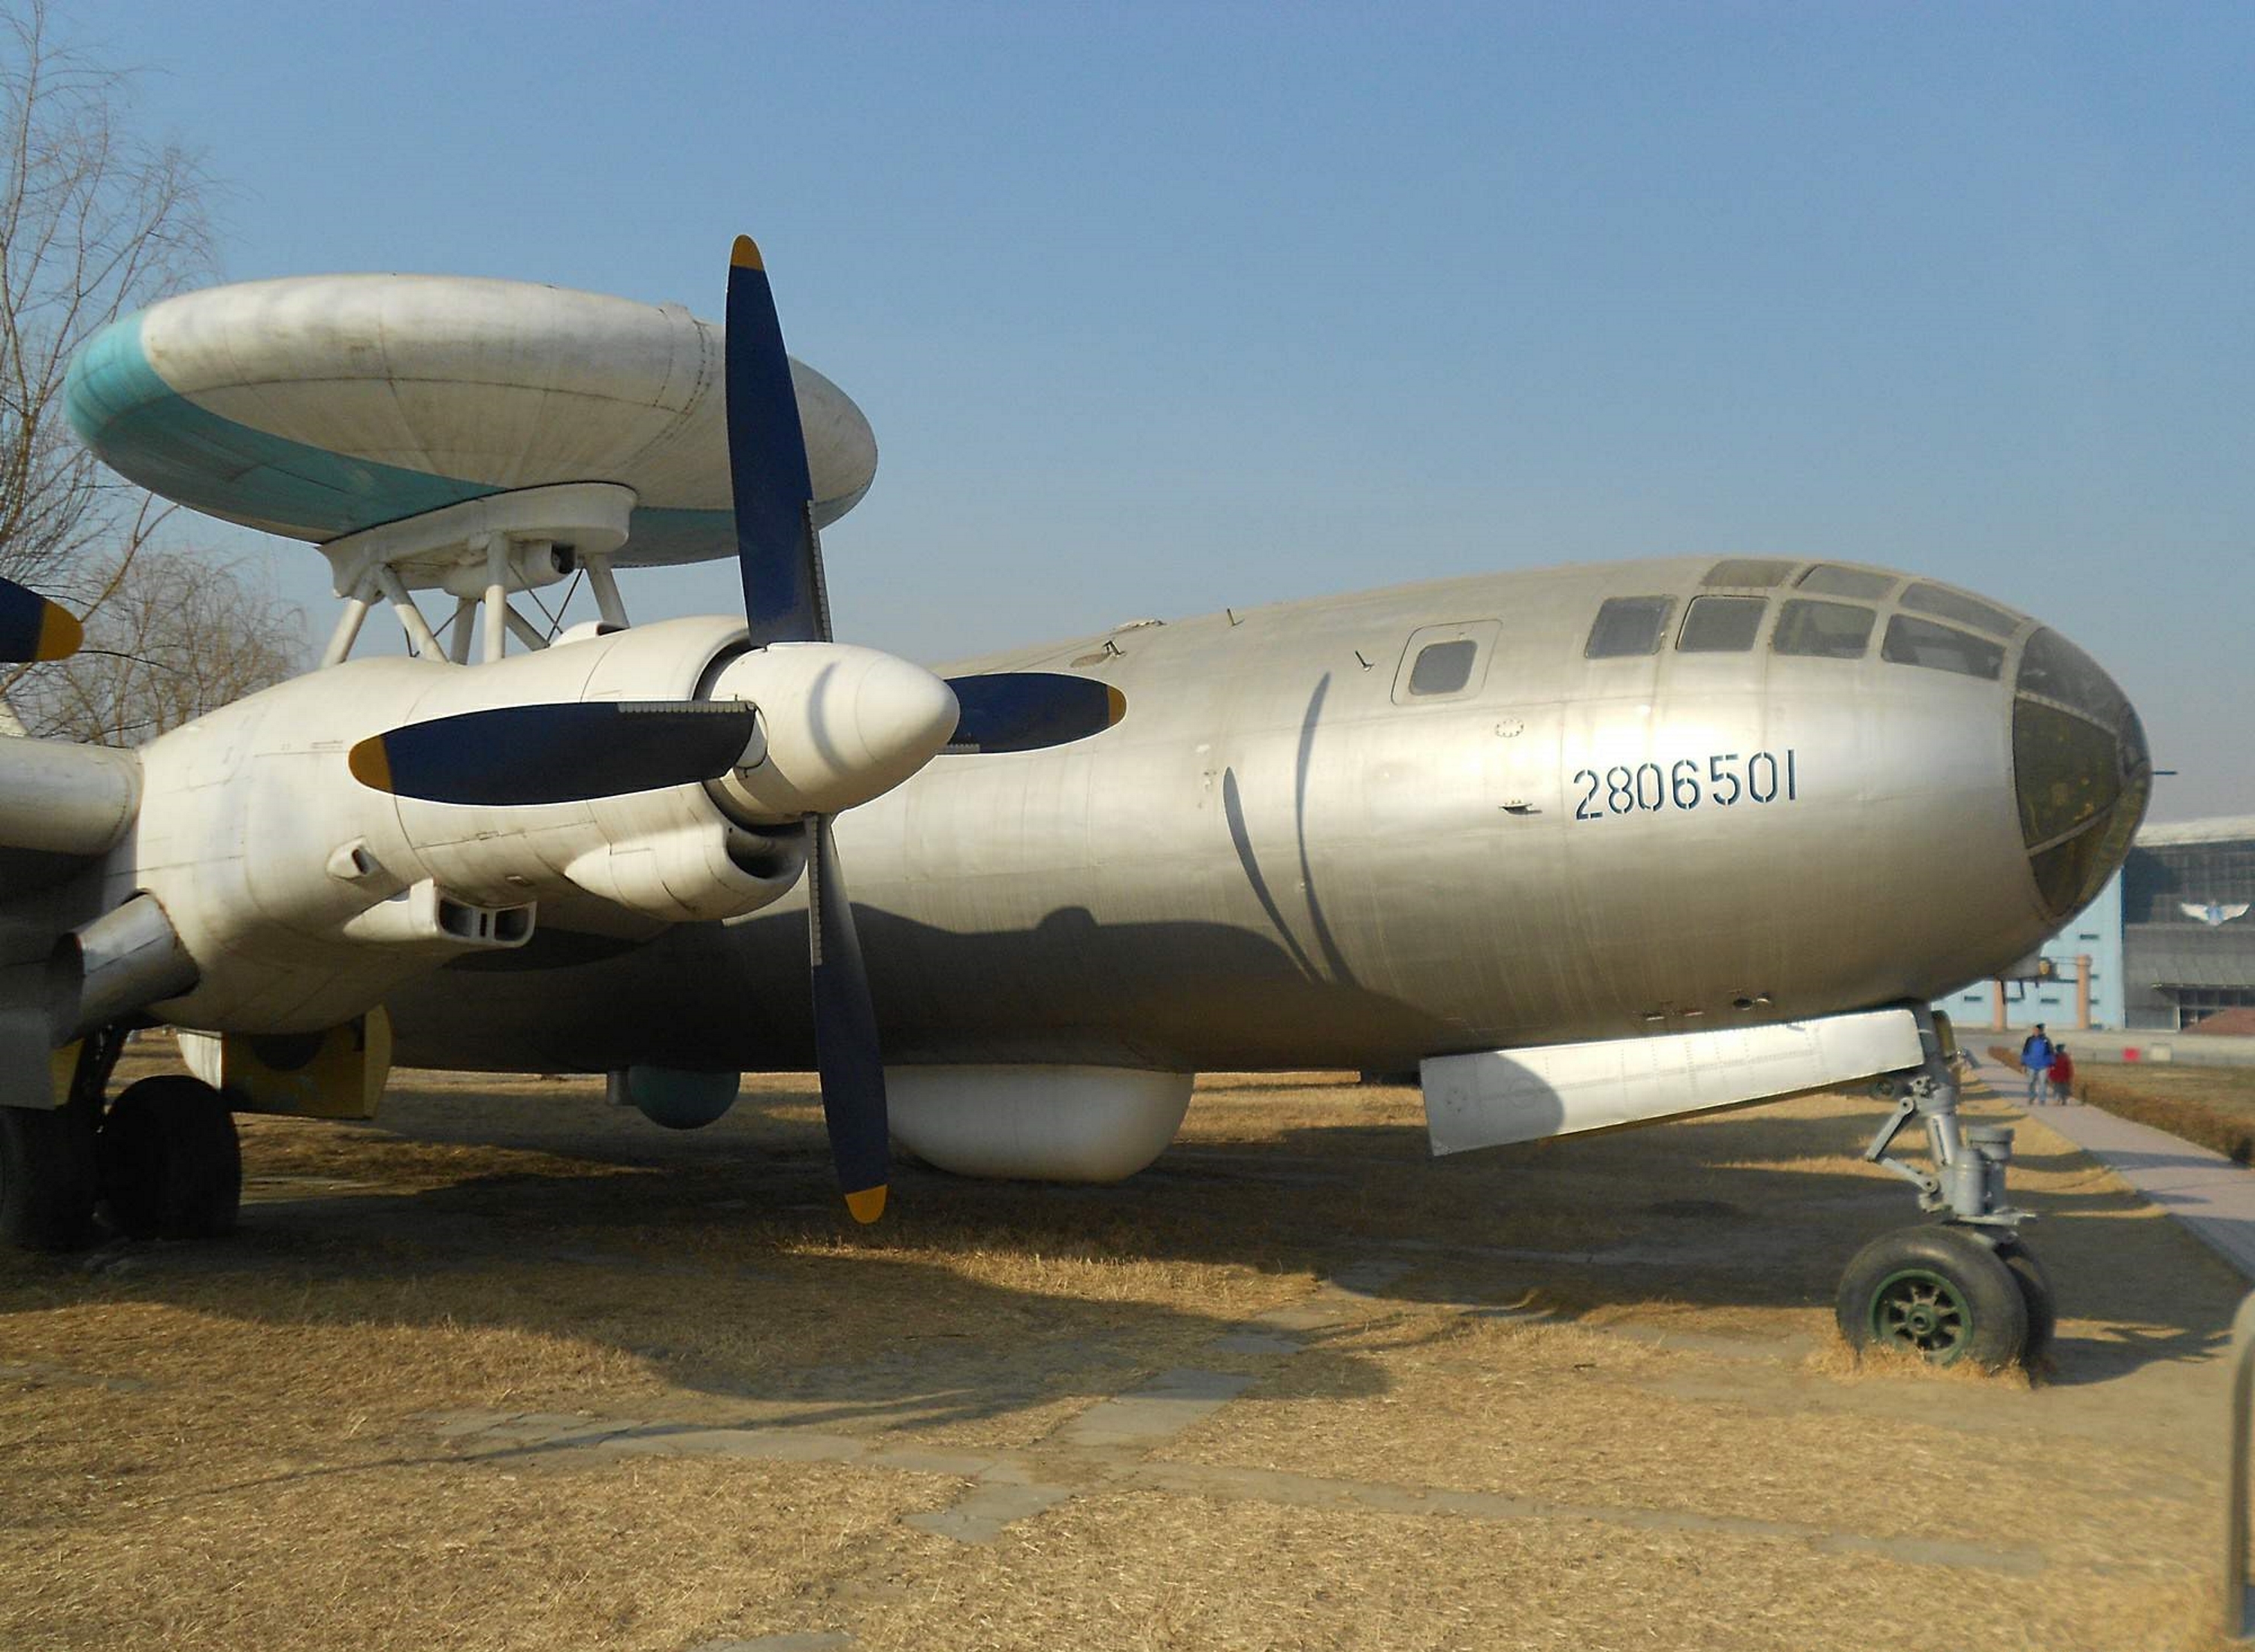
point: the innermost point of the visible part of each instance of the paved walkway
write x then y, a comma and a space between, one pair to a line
2205, 1191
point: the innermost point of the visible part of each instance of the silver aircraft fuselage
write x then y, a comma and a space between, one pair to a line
1363, 830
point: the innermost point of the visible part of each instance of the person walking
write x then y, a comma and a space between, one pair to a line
2062, 1075
2035, 1061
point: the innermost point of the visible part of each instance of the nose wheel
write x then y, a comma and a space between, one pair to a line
1965, 1287
1946, 1294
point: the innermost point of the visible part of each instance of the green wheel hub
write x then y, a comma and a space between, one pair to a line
1920, 1310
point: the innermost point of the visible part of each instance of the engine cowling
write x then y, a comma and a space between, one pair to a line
303, 895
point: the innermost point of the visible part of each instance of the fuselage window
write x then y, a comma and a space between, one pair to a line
1720, 625
1629, 625
1748, 571
1827, 631
1443, 668
1829, 579
1914, 641
1956, 604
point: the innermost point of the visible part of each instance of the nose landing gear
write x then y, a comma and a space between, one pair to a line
1966, 1288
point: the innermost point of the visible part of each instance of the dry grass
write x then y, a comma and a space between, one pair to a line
232, 1445
1141, 1572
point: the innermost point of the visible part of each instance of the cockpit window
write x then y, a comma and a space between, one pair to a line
1629, 625
1443, 668
1745, 572
1830, 579
2054, 669
1966, 610
1917, 642
1826, 630
1720, 625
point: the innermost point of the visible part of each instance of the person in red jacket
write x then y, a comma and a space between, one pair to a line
2063, 1076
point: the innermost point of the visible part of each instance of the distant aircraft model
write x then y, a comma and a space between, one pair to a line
1586, 847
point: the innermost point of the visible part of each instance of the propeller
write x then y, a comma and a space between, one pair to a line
560, 753
33, 628
1030, 710
820, 705
779, 556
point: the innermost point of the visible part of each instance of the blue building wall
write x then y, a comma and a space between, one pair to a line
2096, 930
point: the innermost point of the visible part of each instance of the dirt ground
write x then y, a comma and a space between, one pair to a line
510, 1368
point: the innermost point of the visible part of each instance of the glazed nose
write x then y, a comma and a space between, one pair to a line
2080, 771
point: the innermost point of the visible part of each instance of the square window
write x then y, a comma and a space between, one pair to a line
1830, 579
1915, 642
1629, 625
1748, 571
1823, 631
1956, 604
1443, 668
1720, 625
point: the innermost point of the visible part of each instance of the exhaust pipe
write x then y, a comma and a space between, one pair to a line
118, 964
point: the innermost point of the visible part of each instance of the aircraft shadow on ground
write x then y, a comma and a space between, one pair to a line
739, 1225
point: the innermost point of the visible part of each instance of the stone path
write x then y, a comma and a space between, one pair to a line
2214, 1197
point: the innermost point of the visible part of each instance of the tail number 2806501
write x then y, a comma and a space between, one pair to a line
1723, 779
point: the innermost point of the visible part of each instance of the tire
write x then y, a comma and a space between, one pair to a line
1941, 1292
2036, 1293
47, 1178
171, 1165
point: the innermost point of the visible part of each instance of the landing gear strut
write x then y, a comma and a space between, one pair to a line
1966, 1288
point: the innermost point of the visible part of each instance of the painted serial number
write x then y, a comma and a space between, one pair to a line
1722, 779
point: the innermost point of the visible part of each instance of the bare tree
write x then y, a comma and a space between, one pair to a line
94, 224
176, 635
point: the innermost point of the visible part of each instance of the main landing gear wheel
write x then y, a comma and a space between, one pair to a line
1942, 1292
47, 1178
171, 1166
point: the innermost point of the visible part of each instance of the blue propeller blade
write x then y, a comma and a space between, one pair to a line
564, 753
1029, 711
781, 561
846, 1035
777, 551
33, 628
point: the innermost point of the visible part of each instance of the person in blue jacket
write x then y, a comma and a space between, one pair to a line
2035, 1061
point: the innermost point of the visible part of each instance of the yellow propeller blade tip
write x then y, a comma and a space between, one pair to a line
866, 1206
745, 254
60, 633
370, 764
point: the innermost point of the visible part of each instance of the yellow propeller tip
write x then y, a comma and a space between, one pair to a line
370, 763
60, 633
745, 254
866, 1206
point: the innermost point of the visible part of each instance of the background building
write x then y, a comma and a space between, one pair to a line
2187, 904
2170, 939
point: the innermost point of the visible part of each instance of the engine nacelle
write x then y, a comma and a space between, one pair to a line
1041, 1123
303, 895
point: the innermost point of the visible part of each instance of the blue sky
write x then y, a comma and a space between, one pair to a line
1160, 308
